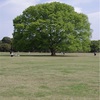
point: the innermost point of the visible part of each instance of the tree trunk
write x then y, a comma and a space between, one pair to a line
53, 53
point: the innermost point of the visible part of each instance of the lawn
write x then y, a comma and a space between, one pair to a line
41, 77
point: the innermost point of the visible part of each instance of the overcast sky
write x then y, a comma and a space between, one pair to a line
9, 9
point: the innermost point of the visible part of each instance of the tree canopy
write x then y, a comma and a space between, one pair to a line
6, 40
95, 46
51, 26
5, 44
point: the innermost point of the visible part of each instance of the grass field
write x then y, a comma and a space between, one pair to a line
69, 77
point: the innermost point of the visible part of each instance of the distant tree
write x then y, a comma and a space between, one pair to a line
4, 47
0, 41
95, 46
51, 26
5, 44
6, 40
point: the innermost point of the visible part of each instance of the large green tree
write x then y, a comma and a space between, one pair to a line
52, 26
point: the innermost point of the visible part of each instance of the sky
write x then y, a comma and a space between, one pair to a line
10, 9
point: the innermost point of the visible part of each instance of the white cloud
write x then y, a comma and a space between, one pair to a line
94, 19
4, 4
77, 9
77, 2
8, 11
15, 7
19, 3
53, 1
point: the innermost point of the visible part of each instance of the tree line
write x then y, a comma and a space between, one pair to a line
6, 45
